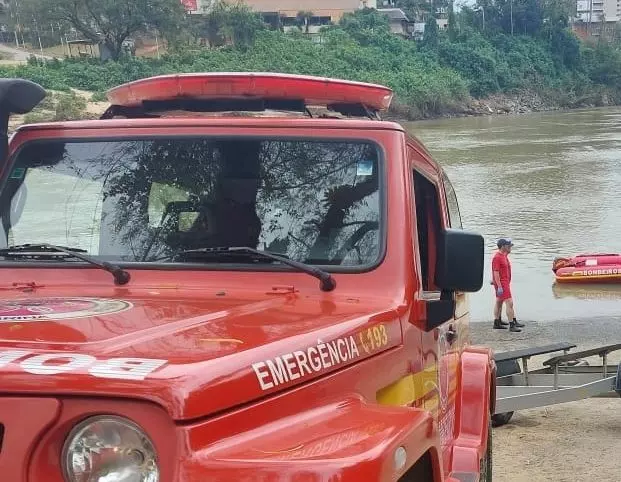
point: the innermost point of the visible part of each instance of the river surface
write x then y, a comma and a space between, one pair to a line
551, 181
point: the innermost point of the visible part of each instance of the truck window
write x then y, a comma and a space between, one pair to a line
314, 200
428, 224
452, 204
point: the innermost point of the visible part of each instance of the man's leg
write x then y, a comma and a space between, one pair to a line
509, 308
498, 323
514, 325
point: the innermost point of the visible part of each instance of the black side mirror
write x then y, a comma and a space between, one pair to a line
459, 267
17, 96
460, 261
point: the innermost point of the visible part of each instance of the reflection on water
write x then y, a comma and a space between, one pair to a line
549, 181
585, 292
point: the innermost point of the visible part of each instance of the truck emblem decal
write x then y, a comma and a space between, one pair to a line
48, 309
56, 363
316, 358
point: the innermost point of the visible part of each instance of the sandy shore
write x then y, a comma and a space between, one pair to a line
577, 441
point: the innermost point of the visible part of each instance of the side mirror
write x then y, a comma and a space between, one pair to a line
460, 261
459, 267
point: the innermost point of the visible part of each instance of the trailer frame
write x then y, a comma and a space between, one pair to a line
563, 378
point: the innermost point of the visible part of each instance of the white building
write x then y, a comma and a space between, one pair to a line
594, 11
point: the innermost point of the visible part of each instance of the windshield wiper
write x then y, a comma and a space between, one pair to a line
327, 282
121, 276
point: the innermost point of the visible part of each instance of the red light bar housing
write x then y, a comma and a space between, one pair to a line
313, 91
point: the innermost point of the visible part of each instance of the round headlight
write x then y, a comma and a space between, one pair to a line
109, 449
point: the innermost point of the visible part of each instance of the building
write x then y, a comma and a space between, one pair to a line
597, 18
323, 12
400, 24
311, 15
193, 6
592, 11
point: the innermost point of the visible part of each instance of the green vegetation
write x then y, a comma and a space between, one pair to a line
59, 106
431, 76
105, 22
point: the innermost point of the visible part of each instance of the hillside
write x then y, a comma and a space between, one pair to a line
458, 73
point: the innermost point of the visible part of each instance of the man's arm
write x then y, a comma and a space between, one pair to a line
496, 264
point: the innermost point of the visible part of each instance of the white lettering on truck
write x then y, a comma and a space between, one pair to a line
291, 366
55, 363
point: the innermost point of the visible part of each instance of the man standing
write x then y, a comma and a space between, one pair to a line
501, 279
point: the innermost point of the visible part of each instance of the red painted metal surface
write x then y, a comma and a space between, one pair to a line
313, 90
344, 440
25, 420
190, 5
210, 401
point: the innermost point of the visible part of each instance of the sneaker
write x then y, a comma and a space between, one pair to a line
500, 325
514, 328
517, 323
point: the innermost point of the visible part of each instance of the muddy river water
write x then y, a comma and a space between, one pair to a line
551, 181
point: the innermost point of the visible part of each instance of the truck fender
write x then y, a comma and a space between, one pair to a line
349, 440
474, 408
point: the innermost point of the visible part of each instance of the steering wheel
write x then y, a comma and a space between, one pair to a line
353, 240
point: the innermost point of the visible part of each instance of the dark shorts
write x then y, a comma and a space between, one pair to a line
506, 295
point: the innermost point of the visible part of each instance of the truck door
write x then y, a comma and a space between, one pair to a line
441, 346
453, 220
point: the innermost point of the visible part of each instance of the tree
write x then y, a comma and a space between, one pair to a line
234, 23
366, 26
303, 19
366, 19
430, 37
110, 22
416, 10
452, 24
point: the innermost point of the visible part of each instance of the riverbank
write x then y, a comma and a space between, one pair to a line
566, 442
520, 102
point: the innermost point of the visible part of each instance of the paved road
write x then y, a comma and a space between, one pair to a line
19, 54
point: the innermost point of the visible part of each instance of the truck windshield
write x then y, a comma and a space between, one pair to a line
144, 200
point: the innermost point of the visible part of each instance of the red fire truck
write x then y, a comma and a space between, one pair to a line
235, 277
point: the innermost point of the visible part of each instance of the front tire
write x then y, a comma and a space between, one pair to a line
500, 419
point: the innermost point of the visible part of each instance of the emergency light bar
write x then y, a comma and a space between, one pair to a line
316, 91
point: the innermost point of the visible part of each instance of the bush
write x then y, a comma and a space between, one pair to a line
70, 107
99, 97
59, 106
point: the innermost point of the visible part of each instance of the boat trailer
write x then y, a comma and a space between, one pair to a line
564, 378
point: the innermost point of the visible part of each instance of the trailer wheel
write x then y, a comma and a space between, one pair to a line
486, 465
500, 419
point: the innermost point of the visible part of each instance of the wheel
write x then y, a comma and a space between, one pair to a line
485, 468
500, 419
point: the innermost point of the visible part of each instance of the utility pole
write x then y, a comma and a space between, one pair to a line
13, 15
512, 18
36, 25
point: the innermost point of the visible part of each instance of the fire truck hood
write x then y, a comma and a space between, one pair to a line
194, 356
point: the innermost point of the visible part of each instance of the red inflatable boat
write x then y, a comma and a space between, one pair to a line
588, 268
